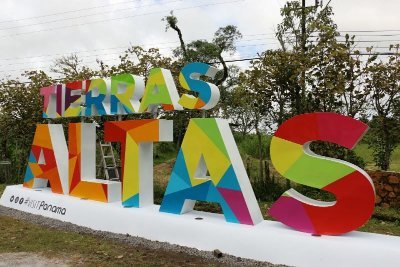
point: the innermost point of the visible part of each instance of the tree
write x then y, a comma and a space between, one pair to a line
384, 83
325, 73
21, 110
259, 102
203, 50
239, 111
70, 68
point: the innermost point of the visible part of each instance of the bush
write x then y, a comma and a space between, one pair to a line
266, 189
164, 151
335, 151
314, 193
248, 145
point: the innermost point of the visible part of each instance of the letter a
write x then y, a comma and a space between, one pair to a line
48, 159
209, 144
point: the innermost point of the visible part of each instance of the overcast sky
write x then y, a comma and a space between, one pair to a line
34, 32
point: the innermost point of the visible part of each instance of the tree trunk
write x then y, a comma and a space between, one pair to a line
225, 75
183, 46
259, 138
387, 152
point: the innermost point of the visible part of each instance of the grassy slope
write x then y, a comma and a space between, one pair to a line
363, 151
84, 249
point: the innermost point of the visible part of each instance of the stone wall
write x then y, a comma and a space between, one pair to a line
387, 186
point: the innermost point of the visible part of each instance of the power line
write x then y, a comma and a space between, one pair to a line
163, 48
119, 18
172, 42
84, 16
371, 31
126, 47
247, 59
108, 54
372, 35
66, 12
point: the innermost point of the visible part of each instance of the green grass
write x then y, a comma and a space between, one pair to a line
85, 249
381, 227
365, 152
2, 187
164, 152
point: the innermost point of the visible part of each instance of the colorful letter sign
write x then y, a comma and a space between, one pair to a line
208, 166
352, 187
82, 166
160, 90
209, 145
126, 92
136, 138
48, 159
189, 78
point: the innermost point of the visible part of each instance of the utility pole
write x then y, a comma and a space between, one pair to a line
303, 53
303, 50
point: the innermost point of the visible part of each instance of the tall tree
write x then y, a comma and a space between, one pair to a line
384, 83
21, 110
205, 51
71, 68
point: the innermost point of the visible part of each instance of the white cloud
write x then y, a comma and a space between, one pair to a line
251, 16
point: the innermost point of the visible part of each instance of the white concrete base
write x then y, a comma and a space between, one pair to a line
268, 241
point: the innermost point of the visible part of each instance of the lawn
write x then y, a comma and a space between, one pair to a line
365, 152
85, 249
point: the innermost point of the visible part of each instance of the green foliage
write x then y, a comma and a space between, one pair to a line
314, 193
335, 151
383, 137
248, 145
159, 191
164, 151
267, 189
20, 112
384, 84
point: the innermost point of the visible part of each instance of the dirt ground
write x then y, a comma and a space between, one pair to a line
22, 259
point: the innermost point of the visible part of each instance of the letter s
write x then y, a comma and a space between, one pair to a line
352, 187
208, 93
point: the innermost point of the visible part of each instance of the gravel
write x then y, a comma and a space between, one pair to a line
131, 240
25, 259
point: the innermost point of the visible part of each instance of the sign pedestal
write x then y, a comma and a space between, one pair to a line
268, 241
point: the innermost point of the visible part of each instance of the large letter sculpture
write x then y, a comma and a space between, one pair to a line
48, 159
96, 93
136, 138
352, 187
209, 144
189, 78
82, 166
126, 92
160, 90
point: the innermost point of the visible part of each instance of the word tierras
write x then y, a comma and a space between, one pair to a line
127, 93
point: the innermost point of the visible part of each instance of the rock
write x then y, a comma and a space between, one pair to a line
388, 188
382, 193
378, 200
393, 179
392, 195
217, 253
